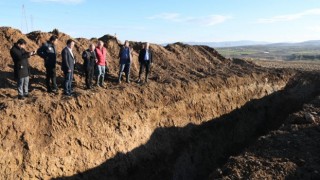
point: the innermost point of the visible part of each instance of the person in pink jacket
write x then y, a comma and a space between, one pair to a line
101, 53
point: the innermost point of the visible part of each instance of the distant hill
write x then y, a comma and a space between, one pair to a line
300, 44
254, 43
228, 43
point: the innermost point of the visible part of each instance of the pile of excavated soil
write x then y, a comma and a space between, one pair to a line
128, 131
194, 151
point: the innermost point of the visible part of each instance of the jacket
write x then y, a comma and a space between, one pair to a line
21, 63
101, 56
68, 60
48, 52
125, 55
142, 54
89, 59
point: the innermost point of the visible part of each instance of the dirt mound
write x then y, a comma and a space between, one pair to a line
8, 36
118, 128
80, 44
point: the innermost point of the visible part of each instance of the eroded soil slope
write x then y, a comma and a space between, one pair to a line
48, 136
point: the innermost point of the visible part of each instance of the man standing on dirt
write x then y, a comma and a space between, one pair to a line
89, 58
48, 52
125, 56
21, 67
101, 53
145, 60
67, 66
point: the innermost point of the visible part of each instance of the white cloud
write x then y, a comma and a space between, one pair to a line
61, 1
290, 17
210, 20
314, 28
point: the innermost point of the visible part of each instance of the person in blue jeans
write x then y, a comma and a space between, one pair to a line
101, 54
67, 66
21, 67
125, 61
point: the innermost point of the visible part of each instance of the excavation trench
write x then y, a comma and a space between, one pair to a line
197, 110
194, 151
185, 137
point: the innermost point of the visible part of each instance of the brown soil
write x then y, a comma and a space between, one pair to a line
183, 124
290, 152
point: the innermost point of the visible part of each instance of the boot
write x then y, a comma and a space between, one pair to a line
127, 78
97, 82
102, 82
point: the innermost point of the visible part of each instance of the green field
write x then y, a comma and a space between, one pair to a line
270, 52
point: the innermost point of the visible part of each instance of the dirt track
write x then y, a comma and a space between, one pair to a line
160, 130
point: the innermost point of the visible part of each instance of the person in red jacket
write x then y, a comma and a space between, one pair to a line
101, 53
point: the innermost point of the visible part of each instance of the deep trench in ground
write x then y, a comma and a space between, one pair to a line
195, 151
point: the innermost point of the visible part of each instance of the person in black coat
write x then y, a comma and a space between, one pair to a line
89, 57
21, 67
68, 61
48, 52
145, 61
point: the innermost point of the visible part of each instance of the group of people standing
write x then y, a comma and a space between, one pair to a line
94, 60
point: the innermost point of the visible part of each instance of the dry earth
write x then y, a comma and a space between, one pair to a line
198, 109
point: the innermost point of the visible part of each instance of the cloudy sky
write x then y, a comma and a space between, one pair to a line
169, 20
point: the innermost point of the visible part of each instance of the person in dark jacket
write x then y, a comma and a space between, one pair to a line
125, 61
68, 61
89, 57
145, 61
48, 52
21, 67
